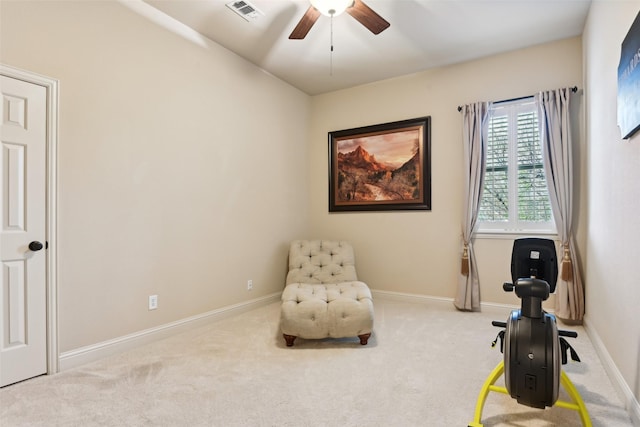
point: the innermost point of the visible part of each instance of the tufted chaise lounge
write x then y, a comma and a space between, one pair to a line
323, 297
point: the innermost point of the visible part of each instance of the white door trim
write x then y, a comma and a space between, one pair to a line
51, 86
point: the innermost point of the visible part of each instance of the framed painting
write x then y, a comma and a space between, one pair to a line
629, 82
383, 167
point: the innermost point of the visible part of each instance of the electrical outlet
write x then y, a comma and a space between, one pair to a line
153, 302
249, 284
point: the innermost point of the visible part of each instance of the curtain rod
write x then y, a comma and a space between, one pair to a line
573, 89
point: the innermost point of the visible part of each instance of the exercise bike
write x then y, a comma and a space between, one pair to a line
533, 347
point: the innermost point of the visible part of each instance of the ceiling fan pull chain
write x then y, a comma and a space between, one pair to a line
331, 53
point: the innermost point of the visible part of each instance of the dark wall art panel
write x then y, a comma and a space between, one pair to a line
629, 82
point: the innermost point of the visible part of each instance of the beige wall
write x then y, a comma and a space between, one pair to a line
180, 170
419, 252
612, 289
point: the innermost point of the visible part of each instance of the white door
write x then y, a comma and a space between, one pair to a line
23, 296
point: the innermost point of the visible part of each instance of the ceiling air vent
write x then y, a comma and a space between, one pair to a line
245, 9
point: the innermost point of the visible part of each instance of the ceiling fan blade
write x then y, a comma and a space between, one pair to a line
306, 22
367, 17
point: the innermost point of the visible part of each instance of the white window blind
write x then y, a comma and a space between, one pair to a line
515, 196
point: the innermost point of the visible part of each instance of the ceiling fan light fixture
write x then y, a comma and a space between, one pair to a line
331, 7
356, 8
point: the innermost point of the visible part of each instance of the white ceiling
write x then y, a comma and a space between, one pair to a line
423, 34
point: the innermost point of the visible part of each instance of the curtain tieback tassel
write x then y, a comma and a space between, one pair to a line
464, 265
567, 267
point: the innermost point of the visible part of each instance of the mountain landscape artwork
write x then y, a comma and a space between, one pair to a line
378, 170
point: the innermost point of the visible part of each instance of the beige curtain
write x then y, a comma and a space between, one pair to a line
474, 128
555, 128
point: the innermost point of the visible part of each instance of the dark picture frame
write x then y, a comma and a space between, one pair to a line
384, 167
629, 82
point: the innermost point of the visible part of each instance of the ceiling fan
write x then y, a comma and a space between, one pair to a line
356, 8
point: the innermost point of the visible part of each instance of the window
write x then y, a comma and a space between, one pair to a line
515, 196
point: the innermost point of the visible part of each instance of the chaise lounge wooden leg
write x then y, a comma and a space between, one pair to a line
290, 339
364, 338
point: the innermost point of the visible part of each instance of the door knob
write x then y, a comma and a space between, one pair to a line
35, 246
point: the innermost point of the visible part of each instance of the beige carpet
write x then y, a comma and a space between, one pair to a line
424, 366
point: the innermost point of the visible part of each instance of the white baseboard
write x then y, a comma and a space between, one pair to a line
417, 298
412, 298
621, 386
80, 356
